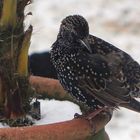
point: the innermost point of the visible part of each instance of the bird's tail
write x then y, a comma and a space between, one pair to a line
132, 105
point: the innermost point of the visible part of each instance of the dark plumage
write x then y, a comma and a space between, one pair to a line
92, 70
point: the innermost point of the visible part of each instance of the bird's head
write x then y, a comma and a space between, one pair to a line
75, 28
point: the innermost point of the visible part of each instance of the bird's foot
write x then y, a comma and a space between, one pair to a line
77, 116
105, 111
90, 116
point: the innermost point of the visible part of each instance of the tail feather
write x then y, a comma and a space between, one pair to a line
132, 105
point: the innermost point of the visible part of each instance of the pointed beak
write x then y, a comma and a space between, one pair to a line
86, 44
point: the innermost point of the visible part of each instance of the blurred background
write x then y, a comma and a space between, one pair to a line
116, 21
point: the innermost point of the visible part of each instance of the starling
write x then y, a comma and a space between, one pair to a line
92, 70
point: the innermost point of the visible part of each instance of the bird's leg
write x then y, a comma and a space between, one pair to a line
103, 111
90, 115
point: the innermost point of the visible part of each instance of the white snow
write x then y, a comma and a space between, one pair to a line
57, 111
116, 21
3, 125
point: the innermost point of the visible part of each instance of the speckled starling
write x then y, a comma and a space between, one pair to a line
92, 70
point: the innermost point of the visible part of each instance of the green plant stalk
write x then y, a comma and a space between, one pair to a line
22, 66
8, 17
15, 90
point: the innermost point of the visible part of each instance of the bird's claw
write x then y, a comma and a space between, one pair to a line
76, 116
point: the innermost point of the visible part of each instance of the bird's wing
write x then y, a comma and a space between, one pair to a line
100, 46
98, 80
130, 70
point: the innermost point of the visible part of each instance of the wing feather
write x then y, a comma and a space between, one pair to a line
100, 81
